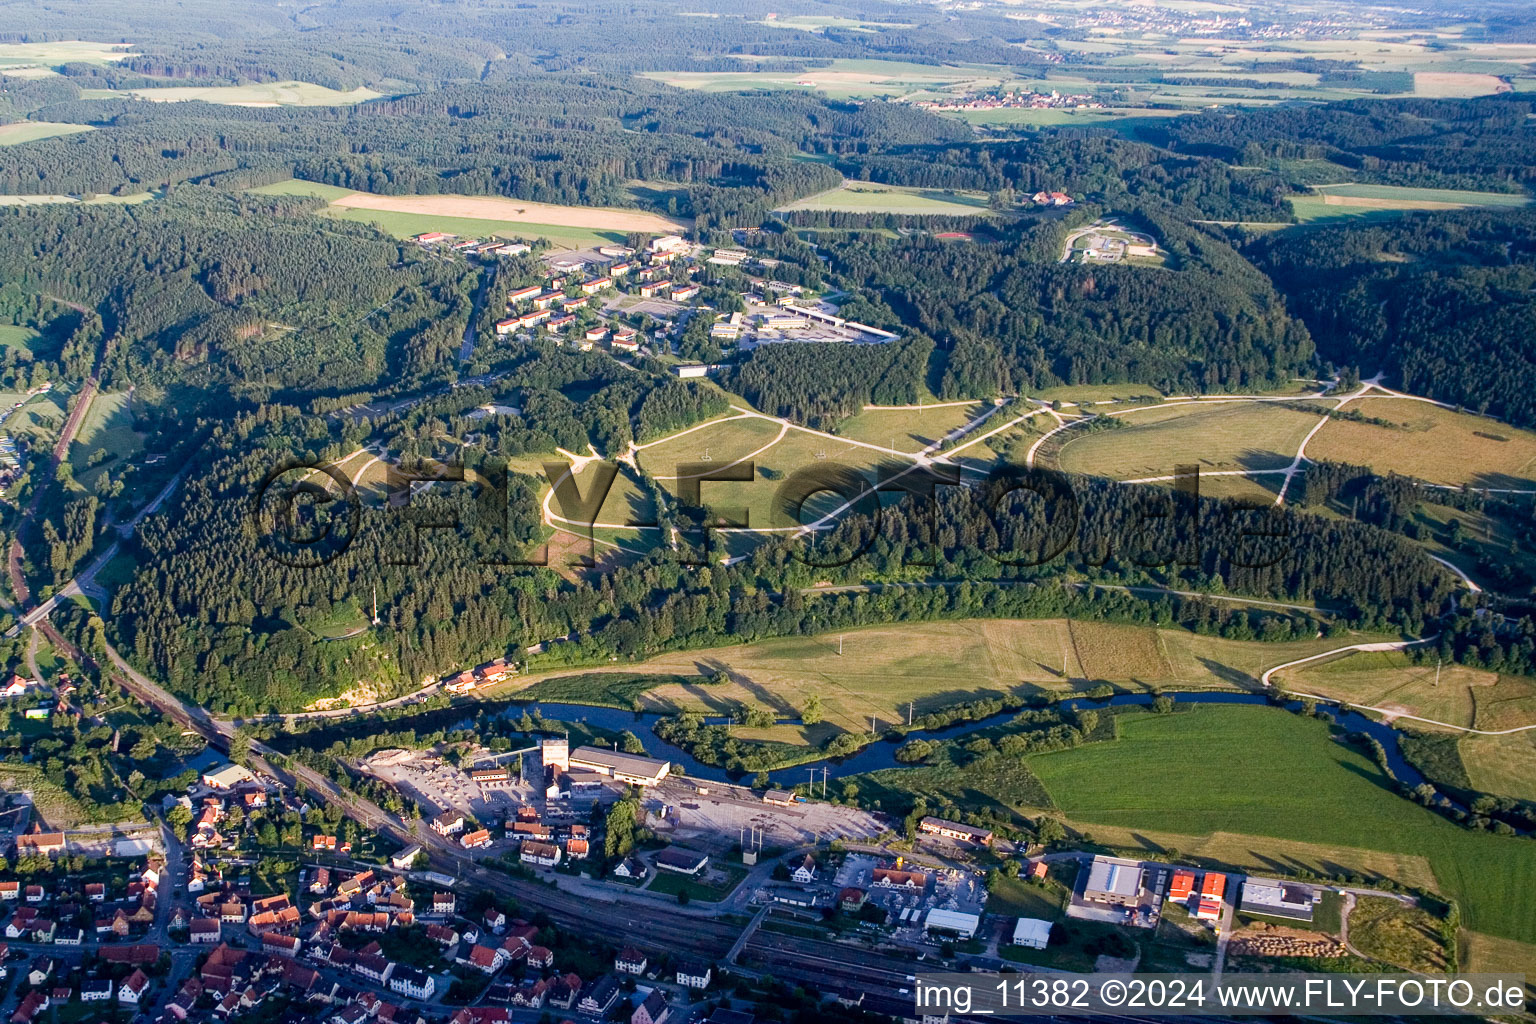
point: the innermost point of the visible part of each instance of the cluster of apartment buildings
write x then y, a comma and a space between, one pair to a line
471, 246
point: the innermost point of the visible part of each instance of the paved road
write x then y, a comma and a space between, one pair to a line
486, 282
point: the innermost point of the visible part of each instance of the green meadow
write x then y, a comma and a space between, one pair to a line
1261, 772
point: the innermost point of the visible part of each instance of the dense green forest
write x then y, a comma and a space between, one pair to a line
1009, 318
1443, 303
260, 327
1489, 142
225, 624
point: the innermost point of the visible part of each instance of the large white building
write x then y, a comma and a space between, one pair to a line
227, 777
963, 925
631, 768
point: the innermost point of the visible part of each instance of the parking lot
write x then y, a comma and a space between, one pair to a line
721, 816
434, 783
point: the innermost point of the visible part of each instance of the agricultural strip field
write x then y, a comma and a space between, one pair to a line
264, 94
1151, 442
31, 131
479, 216
1434, 444
931, 665
1334, 202
1263, 772
846, 78
868, 197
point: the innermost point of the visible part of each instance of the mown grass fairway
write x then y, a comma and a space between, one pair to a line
845, 78
1434, 444
869, 197
300, 187
108, 427
1262, 772
1216, 437
59, 51
12, 336
719, 443
31, 131
409, 225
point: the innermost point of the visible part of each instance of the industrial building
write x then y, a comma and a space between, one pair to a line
1278, 899
631, 768
1032, 933
963, 925
1116, 882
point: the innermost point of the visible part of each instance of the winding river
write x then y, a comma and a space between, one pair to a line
882, 753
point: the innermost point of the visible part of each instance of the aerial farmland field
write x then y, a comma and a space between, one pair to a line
1436, 445
1215, 436
31, 131
1233, 757
1333, 202
869, 197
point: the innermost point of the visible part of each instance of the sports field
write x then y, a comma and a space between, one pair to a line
1263, 772
31, 131
264, 94
1152, 441
1434, 444
1332, 202
869, 197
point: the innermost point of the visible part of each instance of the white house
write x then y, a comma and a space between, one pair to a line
693, 975
133, 988
408, 981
